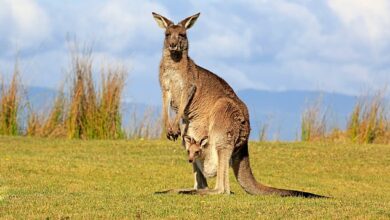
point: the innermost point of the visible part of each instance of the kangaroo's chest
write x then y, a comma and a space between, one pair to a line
173, 83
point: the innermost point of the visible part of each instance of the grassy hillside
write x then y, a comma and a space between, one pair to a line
42, 178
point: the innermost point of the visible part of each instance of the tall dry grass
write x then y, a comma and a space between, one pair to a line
146, 127
369, 121
51, 124
263, 132
83, 100
110, 103
314, 122
94, 112
265, 127
9, 105
85, 111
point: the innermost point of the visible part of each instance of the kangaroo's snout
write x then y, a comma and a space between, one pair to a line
173, 46
192, 155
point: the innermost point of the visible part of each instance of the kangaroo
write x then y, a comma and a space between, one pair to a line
214, 111
194, 148
176, 87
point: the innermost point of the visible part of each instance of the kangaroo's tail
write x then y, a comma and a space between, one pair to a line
245, 178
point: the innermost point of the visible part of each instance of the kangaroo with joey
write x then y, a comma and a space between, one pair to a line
214, 110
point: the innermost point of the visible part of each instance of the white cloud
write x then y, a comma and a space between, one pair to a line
328, 77
236, 77
369, 19
224, 44
307, 49
127, 23
23, 24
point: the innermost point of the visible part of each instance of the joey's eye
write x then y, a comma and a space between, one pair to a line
182, 35
167, 34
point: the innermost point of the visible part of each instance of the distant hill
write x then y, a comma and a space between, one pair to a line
281, 110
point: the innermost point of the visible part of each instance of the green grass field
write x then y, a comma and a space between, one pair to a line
60, 179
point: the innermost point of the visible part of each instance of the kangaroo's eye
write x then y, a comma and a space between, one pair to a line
182, 35
167, 34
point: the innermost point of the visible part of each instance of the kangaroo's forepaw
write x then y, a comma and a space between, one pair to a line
173, 134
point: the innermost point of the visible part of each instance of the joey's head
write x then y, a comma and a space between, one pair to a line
194, 148
176, 41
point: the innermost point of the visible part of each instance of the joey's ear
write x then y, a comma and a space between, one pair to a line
188, 22
162, 21
204, 141
187, 139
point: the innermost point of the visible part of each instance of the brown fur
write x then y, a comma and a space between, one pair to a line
214, 111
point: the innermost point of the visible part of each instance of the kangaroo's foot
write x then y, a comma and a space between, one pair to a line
208, 192
177, 191
192, 191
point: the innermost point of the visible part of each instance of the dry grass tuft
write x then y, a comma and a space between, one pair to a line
148, 127
369, 123
94, 113
9, 105
86, 111
52, 125
314, 122
264, 128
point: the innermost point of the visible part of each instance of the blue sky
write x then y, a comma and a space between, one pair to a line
336, 45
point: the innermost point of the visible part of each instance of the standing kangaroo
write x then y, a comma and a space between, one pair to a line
214, 110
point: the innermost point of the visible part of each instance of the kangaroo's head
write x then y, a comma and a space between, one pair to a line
194, 148
176, 41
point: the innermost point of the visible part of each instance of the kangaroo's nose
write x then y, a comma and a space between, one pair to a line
190, 160
172, 45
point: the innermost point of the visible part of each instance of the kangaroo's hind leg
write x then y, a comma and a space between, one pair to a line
222, 133
223, 185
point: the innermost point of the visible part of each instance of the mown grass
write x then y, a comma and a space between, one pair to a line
53, 178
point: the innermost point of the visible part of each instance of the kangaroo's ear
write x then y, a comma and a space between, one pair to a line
188, 22
204, 141
162, 21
